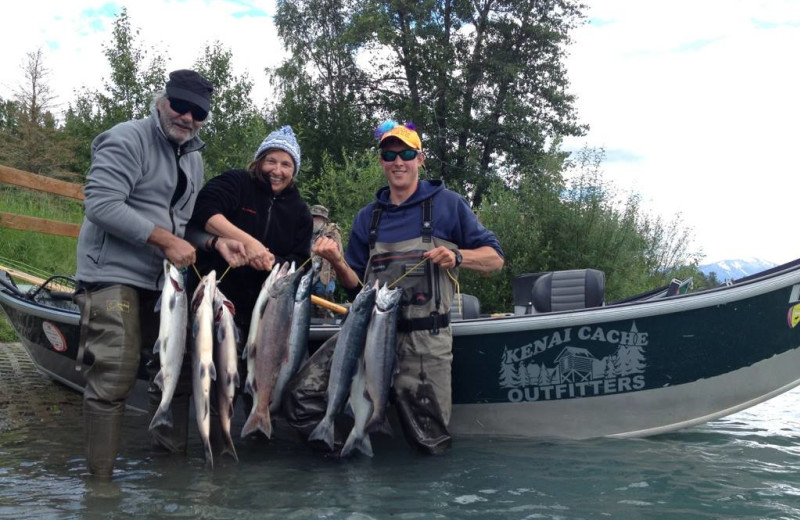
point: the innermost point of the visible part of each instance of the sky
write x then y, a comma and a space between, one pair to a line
695, 102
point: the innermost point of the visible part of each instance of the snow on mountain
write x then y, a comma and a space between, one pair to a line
735, 269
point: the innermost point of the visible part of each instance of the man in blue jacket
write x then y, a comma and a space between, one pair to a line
410, 221
140, 192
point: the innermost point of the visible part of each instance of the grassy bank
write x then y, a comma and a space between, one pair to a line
35, 253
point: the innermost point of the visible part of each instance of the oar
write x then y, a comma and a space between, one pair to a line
316, 300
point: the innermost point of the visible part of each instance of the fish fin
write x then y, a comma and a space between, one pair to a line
236, 379
245, 350
157, 346
220, 334
348, 410
229, 448
323, 432
248, 387
195, 329
257, 421
162, 417
205, 409
158, 305
209, 454
159, 380
353, 442
249, 424
378, 425
236, 335
212, 371
173, 301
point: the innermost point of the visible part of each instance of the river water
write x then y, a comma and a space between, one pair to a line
744, 466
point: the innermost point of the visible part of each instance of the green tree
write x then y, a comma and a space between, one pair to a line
136, 74
323, 92
344, 188
235, 128
485, 80
9, 115
576, 224
29, 135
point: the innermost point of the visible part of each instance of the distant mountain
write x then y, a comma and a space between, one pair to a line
734, 269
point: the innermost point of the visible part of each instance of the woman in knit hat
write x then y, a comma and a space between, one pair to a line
262, 208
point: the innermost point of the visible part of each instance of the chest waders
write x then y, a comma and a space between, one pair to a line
421, 389
118, 325
422, 384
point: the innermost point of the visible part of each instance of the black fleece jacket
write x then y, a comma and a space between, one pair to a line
281, 222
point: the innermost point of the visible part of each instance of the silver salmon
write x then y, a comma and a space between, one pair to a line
258, 309
203, 370
349, 348
270, 352
226, 363
255, 322
298, 339
380, 354
171, 344
362, 410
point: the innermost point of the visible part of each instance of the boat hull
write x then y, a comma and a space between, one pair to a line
636, 369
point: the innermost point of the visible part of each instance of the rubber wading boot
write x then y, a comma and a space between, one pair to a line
102, 434
421, 419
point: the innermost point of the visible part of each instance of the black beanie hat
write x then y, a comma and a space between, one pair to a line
190, 86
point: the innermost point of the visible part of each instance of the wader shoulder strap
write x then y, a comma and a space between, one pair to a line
427, 220
373, 225
84, 301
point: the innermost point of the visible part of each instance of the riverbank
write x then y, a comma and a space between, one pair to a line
26, 396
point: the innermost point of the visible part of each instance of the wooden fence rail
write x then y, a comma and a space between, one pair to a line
36, 182
53, 227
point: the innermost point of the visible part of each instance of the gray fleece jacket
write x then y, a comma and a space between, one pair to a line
129, 191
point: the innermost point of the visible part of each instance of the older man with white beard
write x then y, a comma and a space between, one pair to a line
140, 192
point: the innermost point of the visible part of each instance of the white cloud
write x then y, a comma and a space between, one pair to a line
72, 35
702, 96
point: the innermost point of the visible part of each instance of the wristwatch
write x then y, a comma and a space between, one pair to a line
459, 258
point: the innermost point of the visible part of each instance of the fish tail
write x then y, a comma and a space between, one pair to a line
323, 432
162, 417
356, 442
378, 424
209, 454
257, 421
229, 448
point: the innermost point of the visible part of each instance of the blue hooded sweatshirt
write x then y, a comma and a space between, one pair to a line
453, 220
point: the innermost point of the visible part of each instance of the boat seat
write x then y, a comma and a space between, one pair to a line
568, 290
469, 309
522, 291
678, 286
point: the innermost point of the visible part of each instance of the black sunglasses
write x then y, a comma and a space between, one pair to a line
180, 106
406, 155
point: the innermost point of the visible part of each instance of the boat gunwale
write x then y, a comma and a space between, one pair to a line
752, 286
